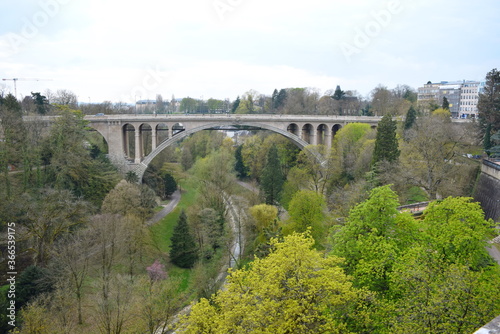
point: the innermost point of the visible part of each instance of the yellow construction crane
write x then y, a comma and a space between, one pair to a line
16, 79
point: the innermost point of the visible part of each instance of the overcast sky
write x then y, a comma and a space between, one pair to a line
122, 51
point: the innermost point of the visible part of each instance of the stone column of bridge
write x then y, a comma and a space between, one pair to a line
170, 132
125, 142
138, 148
153, 138
328, 140
314, 137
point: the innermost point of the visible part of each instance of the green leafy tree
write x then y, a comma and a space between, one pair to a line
435, 296
272, 178
306, 211
373, 236
293, 290
457, 230
350, 145
183, 250
188, 105
386, 142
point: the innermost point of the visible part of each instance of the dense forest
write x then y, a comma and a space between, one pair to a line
324, 245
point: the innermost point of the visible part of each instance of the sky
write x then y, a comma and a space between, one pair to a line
110, 50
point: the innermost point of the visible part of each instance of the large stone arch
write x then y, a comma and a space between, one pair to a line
141, 168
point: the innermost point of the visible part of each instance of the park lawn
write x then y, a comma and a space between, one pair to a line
163, 230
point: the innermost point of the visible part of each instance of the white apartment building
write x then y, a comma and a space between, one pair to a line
463, 96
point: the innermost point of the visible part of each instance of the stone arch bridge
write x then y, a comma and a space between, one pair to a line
135, 140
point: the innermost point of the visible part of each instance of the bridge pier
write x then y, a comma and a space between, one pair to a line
138, 147
153, 138
314, 138
328, 140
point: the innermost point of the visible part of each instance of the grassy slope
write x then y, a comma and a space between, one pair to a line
163, 230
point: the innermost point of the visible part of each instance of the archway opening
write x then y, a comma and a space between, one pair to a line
177, 128
336, 129
146, 139
161, 133
129, 141
307, 133
322, 134
293, 128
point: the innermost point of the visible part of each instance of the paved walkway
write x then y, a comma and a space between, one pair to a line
167, 208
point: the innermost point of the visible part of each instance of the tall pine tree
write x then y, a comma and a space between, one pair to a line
239, 166
386, 143
272, 178
411, 116
183, 252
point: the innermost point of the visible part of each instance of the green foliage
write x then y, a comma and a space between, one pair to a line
386, 142
351, 147
239, 166
131, 177
489, 102
32, 282
266, 226
410, 118
183, 250
431, 275
373, 236
162, 231
487, 139
446, 104
272, 178
457, 230
279, 98
188, 105
293, 290
41, 103
306, 211
49, 215
170, 184
432, 295
235, 105
416, 195
338, 94
69, 164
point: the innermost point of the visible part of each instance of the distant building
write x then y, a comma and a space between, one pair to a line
142, 106
462, 96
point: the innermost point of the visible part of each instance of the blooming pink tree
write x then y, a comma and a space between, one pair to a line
156, 271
